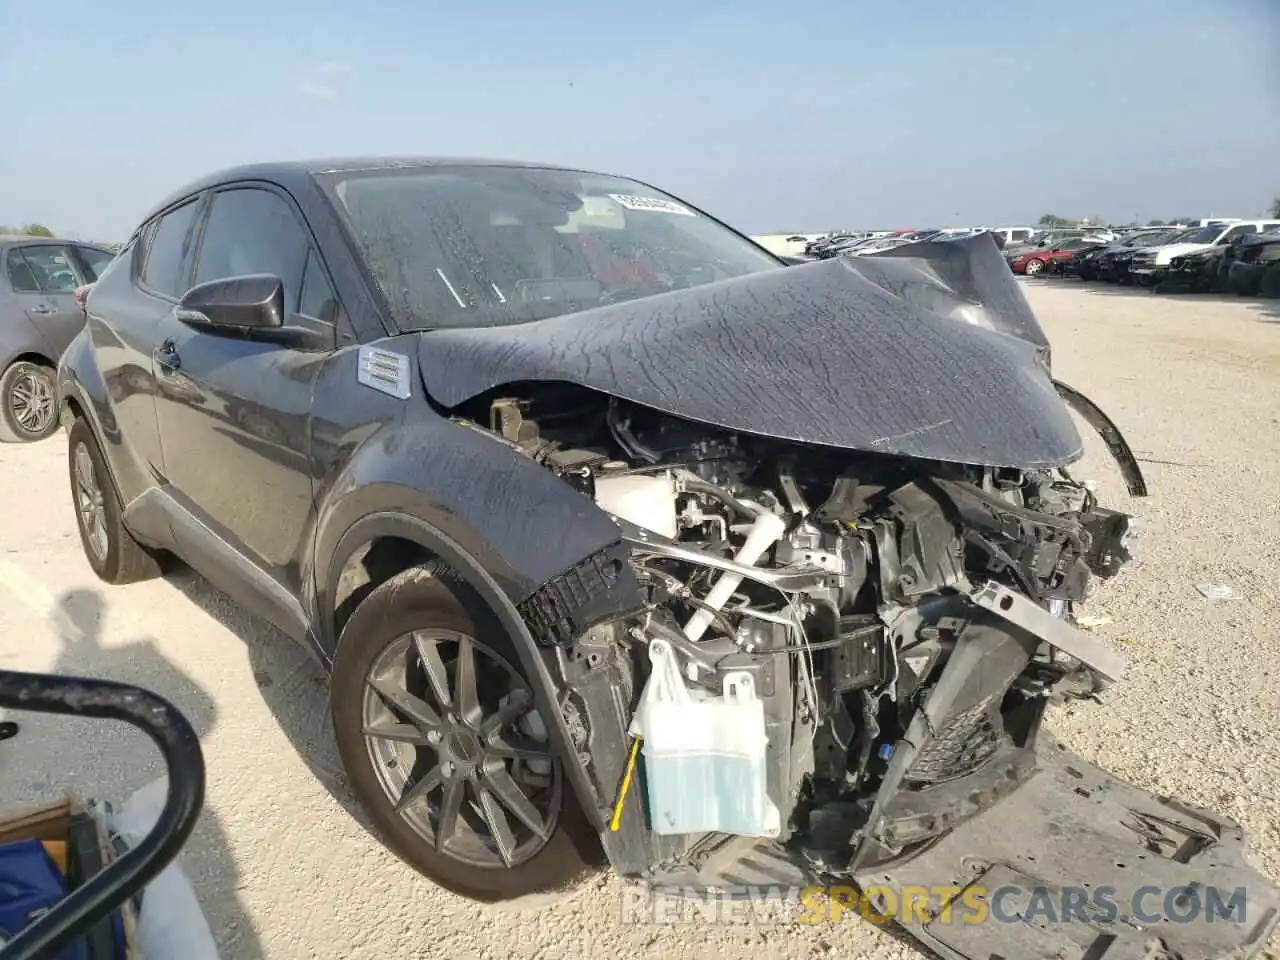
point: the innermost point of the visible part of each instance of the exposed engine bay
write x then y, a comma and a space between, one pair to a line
831, 584
842, 586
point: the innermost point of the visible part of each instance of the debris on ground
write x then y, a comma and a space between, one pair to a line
1093, 621
1217, 591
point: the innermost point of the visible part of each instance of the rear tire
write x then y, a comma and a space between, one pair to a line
432, 610
109, 547
1034, 268
28, 403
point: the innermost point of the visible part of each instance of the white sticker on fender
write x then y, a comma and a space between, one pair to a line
655, 204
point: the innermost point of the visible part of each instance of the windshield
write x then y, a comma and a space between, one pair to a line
1201, 235
1151, 239
475, 246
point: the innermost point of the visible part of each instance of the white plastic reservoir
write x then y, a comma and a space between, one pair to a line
704, 755
646, 500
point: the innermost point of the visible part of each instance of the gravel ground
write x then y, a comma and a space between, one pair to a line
284, 868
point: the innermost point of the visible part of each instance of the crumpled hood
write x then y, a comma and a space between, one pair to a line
928, 350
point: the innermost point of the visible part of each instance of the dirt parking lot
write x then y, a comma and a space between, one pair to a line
284, 868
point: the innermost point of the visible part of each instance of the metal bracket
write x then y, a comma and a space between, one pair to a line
1054, 631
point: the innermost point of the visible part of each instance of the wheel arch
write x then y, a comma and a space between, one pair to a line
30, 356
405, 541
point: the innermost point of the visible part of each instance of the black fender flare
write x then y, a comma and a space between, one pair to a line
1110, 434
408, 527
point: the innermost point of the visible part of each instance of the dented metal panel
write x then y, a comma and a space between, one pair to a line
885, 355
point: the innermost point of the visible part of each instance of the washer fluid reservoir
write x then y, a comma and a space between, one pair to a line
647, 500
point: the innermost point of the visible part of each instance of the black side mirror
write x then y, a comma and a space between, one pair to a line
253, 302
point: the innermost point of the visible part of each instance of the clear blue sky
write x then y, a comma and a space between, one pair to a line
784, 116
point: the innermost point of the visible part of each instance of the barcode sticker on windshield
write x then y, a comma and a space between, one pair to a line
655, 204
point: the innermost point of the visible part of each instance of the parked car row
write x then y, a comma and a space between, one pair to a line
1237, 256
876, 241
1021, 239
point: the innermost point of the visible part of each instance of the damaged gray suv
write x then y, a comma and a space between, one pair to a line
625, 541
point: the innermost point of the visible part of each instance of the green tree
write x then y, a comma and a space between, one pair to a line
30, 230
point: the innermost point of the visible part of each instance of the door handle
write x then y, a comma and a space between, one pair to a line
166, 356
43, 308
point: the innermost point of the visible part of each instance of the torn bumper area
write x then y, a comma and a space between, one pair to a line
1080, 865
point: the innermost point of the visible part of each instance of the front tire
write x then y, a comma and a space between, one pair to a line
28, 403
1034, 268
109, 547
442, 745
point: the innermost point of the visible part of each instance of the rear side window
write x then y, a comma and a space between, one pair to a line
165, 270
1243, 230
41, 269
254, 231
22, 277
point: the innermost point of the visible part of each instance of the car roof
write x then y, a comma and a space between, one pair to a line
291, 173
8, 239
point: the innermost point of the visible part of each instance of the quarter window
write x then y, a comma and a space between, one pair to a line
317, 298
165, 270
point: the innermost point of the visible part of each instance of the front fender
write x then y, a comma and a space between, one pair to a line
512, 530
520, 522
492, 593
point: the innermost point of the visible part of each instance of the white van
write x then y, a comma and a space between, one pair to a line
1014, 235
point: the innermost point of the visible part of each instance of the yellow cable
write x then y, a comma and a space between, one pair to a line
616, 821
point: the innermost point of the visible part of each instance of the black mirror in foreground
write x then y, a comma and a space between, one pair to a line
75, 915
251, 302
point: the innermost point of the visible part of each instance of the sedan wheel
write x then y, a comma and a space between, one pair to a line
1034, 268
28, 403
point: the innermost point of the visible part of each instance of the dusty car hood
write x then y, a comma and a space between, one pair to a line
1166, 253
929, 350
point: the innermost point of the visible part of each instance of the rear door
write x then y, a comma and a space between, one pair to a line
234, 411
44, 277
